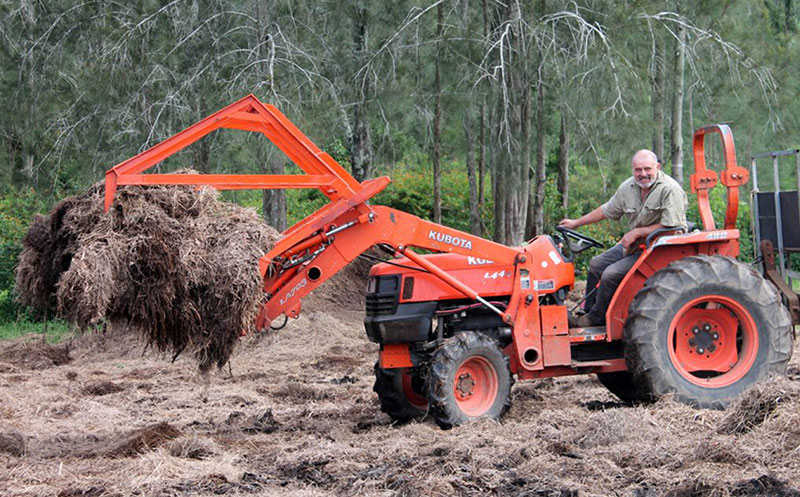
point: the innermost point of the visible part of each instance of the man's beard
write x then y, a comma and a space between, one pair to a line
641, 184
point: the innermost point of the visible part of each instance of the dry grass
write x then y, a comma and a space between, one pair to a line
295, 414
298, 417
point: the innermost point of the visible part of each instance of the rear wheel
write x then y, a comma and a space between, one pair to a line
469, 378
706, 328
397, 391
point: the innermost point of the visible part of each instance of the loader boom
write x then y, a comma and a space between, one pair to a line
323, 243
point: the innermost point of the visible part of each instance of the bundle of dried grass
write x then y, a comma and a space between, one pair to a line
756, 405
173, 263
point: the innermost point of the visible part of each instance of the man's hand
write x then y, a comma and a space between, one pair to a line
592, 217
630, 238
569, 223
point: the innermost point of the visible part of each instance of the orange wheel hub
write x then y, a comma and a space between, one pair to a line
412, 396
475, 386
713, 341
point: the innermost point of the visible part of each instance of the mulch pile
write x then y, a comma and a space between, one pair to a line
755, 406
173, 263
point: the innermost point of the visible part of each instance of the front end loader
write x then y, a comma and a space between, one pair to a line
455, 327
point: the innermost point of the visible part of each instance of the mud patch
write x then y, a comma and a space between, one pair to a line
262, 423
12, 442
101, 388
302, 392
695, 488
308, 471
336, 362
192, 448
766, 485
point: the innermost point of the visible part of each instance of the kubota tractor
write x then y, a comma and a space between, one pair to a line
456, 327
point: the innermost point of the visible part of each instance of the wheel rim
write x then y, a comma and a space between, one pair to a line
713, 341
413, 398
475, 386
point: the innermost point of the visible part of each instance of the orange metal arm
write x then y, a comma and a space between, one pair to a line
249, 114
232, 181
703, 180
287, 282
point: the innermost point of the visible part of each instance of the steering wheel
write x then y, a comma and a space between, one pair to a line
578, 242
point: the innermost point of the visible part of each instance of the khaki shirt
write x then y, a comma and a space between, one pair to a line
665, 203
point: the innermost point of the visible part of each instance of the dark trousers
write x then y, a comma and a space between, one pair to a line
608, 268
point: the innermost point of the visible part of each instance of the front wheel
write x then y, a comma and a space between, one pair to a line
706, 328
469, 378
397, 391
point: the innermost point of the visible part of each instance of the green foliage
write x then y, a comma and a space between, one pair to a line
17, 208
411, 191
301, 203
54, 331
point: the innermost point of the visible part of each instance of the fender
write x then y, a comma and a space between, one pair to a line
659, 255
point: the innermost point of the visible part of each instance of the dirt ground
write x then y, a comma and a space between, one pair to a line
295, 415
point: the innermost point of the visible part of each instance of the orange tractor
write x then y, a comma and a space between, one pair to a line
456, 326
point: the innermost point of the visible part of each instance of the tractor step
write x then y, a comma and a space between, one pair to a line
593, 334
590, 364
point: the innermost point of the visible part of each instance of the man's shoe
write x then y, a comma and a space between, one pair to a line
585, 322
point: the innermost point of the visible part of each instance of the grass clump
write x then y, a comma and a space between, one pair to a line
53, 331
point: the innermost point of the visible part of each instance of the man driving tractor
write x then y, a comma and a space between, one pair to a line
649, 200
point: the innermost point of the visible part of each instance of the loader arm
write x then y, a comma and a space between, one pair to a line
323, 243
292, 273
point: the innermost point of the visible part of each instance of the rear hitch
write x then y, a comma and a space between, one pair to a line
772, 274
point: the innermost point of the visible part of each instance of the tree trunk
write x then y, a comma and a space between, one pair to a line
563, 162
498, 177
360, 142
469, 138
677, 108
273, 202
482, 162
530, 174
474, 212
28, 167
203, 148
658, 99
541, 172
690, 117
519, 148
482, 153
437, 119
